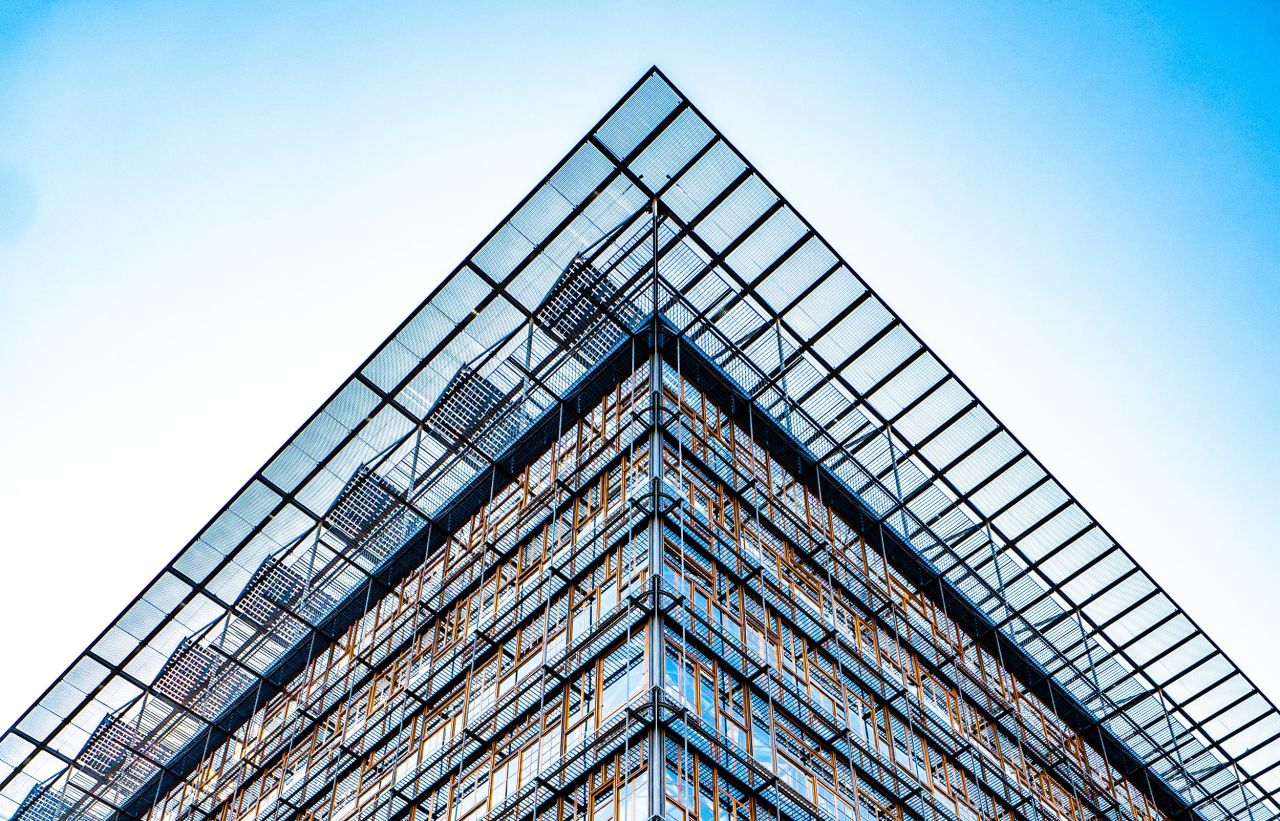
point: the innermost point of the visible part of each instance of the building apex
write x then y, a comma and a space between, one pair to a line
468, 386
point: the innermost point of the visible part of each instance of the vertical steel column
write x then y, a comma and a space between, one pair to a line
657, 747
782, 373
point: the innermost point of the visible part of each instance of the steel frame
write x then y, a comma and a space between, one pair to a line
890, 434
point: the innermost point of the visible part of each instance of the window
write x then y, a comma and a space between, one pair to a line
623, 680
633, 799
938, 698
506, 779
869, 809
758, 647
678, 789
761, 743
795, 775
605, 806
862, 719
733, 718
834, 806
706, 698
731, 809
822, 699
471, 793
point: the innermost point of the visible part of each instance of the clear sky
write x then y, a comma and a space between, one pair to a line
210, 213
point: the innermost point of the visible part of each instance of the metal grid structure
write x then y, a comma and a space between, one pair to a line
553, 310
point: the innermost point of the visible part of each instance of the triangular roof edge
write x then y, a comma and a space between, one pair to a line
920, 416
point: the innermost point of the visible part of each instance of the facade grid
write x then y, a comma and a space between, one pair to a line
652, 511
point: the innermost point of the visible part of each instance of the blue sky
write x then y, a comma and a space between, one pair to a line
210, 213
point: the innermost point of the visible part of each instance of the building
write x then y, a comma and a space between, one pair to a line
553, 553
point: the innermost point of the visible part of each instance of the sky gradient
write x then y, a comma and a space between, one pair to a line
211, 213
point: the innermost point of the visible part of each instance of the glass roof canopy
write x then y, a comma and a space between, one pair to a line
746, 281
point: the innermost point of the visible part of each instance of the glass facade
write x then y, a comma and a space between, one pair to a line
653, 510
